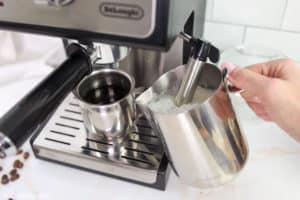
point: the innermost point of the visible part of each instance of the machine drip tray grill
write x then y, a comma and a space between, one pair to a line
139, 159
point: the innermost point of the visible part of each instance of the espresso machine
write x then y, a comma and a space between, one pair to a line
136, 36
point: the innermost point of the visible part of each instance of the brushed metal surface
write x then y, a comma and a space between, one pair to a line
189, 82
146, 66
205, 144
65, 139
80, 15
113, 119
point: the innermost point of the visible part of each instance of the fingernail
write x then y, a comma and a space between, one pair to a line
229, 66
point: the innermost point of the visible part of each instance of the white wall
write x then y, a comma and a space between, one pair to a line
271, 23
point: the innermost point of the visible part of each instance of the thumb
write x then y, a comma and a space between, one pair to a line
251, 82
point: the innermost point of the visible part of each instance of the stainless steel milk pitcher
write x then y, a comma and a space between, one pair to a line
202, 138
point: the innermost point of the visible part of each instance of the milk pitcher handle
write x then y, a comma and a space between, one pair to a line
230, 88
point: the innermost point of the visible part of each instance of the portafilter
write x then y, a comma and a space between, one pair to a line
32, 112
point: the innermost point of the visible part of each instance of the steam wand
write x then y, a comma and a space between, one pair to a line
201, 51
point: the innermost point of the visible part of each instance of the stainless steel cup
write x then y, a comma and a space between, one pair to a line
203, 139
107, 103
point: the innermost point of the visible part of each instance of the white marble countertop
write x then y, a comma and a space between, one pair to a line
272, 172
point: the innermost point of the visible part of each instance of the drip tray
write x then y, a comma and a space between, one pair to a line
140, 158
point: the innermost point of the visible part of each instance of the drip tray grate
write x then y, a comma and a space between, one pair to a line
139, 159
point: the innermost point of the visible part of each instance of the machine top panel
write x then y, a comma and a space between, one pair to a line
125, 18
147, 24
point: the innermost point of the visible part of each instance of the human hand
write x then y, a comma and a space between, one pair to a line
272, 90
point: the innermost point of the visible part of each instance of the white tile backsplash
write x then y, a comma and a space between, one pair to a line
270, 23
223, 35
209, 9
286, 42
292, 16
265, 13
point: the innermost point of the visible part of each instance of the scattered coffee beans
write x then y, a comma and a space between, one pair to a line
13, 174
18, 164
19, 152
13, 171
26, 155
14, 177
4, 179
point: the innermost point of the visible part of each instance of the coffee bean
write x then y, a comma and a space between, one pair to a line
14, 177
13, 172
4, 179
19, 152
18, 164
26, 155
